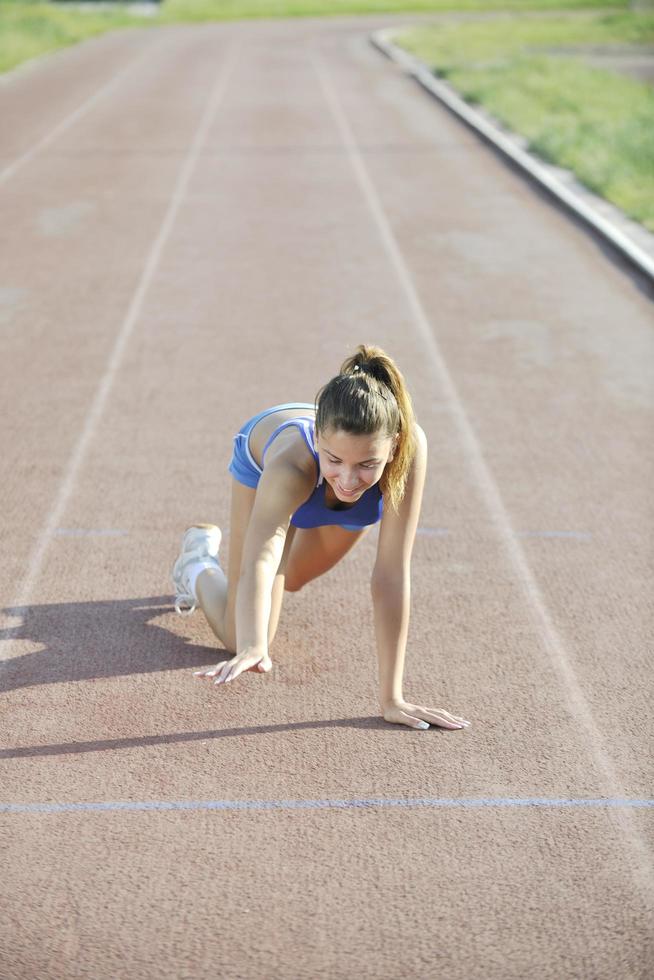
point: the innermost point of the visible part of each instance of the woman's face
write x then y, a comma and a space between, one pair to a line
351, 464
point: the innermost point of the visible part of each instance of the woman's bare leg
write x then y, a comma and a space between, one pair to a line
308, 553
316, 550
216, 591
212, 585
211, 589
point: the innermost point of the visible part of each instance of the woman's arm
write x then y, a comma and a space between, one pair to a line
280, 491
282, 488
391, 595
391, 577
391, 605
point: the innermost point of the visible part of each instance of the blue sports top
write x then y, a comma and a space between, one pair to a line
314, 512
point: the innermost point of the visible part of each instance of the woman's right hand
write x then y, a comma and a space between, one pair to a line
248, 659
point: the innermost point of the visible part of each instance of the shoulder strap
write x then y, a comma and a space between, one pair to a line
307, 438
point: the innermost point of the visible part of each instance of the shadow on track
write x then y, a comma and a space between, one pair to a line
370, 723
89, 640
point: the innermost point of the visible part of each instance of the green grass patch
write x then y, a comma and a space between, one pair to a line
185, 10
598, 124
595, 122
30, 28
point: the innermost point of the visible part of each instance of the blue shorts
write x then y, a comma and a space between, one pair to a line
244, 467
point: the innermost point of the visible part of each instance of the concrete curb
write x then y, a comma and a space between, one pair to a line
629, 238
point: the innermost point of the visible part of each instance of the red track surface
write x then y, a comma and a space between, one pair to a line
210, 234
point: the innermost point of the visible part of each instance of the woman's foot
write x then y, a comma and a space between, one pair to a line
200, 546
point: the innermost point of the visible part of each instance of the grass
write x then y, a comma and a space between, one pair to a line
30, 28
592, 121
597, 124
237, 9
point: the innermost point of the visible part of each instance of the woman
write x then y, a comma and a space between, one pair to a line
309, 482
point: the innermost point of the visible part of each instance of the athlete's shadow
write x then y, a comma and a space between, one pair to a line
85, 640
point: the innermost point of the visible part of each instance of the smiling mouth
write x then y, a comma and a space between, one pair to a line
347, 493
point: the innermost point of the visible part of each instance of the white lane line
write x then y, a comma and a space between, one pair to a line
430, 532
89, 532
70, 120
481, 473
352, 804
44, 537
573, 535
443, 532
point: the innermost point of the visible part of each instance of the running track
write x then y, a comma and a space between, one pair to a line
202, 221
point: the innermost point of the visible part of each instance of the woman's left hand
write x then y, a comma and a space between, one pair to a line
403, 713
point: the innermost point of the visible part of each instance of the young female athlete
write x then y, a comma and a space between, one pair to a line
309, 482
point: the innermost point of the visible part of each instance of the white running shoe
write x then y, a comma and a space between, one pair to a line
200, 543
